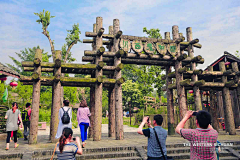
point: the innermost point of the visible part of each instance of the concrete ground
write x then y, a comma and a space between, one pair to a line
131, 138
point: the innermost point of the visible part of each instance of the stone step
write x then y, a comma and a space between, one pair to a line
178, 150
122, 158
236, 147
11, 155
223, 158
187, 155
86, 151
228, 158
103, 155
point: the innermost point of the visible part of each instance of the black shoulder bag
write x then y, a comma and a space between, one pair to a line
168, 157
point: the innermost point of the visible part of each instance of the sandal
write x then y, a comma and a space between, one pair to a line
7, 149
83, 145
16, 146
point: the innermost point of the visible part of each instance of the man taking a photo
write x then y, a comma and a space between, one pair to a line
153, 149
202, 138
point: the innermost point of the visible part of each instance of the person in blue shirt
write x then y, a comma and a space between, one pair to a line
218, 149
153, 149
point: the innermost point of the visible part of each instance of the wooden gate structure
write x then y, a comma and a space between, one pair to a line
125, 49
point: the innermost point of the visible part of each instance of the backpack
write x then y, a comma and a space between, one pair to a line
65, 117
25, 116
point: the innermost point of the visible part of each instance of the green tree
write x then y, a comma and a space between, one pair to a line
26, 55
72, 38
24, 93
152, 33
237, 54
44, 19
131, 93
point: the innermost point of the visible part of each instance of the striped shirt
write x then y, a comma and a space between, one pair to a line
83, 115
153, 149
69, 152
202, 142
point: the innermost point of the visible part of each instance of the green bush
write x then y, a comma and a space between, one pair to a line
44, 115
104, 120
19, 134
74, 120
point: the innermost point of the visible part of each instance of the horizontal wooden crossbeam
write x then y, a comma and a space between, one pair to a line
70, 81
107, 57
203, 74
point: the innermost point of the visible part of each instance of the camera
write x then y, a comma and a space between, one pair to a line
74, 139
194, 113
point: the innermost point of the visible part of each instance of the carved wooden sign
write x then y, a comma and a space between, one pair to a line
125, 45
172, 48
149, 48
161, 48
137, 46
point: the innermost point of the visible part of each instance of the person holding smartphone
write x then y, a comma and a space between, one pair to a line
203, 138
153, 150
66, 149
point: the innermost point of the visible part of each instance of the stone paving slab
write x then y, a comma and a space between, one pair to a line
131, 138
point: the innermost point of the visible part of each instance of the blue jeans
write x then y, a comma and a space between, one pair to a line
83, 129
156, 158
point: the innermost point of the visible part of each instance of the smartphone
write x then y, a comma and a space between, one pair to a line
148, 120
194, 113
74, 139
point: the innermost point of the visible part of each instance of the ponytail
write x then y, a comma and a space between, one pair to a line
62, 142
65, 134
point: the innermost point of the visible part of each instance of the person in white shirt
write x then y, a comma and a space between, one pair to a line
61, 125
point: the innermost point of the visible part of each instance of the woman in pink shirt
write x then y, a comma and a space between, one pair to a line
83, 115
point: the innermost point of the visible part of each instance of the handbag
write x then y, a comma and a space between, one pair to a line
168, 157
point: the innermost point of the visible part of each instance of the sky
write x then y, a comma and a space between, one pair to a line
215, 23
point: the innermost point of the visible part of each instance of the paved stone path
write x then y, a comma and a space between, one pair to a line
131, 138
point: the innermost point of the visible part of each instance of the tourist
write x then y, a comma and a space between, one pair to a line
218, 149
202, 139
26, 117
12, 117
64, 116
83, 115
154, 150
66, 149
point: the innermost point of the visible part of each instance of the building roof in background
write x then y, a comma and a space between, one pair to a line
6, 71
225, 57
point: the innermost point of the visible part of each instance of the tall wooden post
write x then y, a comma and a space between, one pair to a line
197, 96
213, 110
111, 99
118, 87
220, 104
213, 107
236, 97
179, 77
56, 103
35, 97
97, 130
229, 118
170, 106
92, 92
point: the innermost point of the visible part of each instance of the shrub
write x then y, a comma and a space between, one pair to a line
19, 134
44, 115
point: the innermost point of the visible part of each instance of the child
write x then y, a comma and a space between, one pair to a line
218, 149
